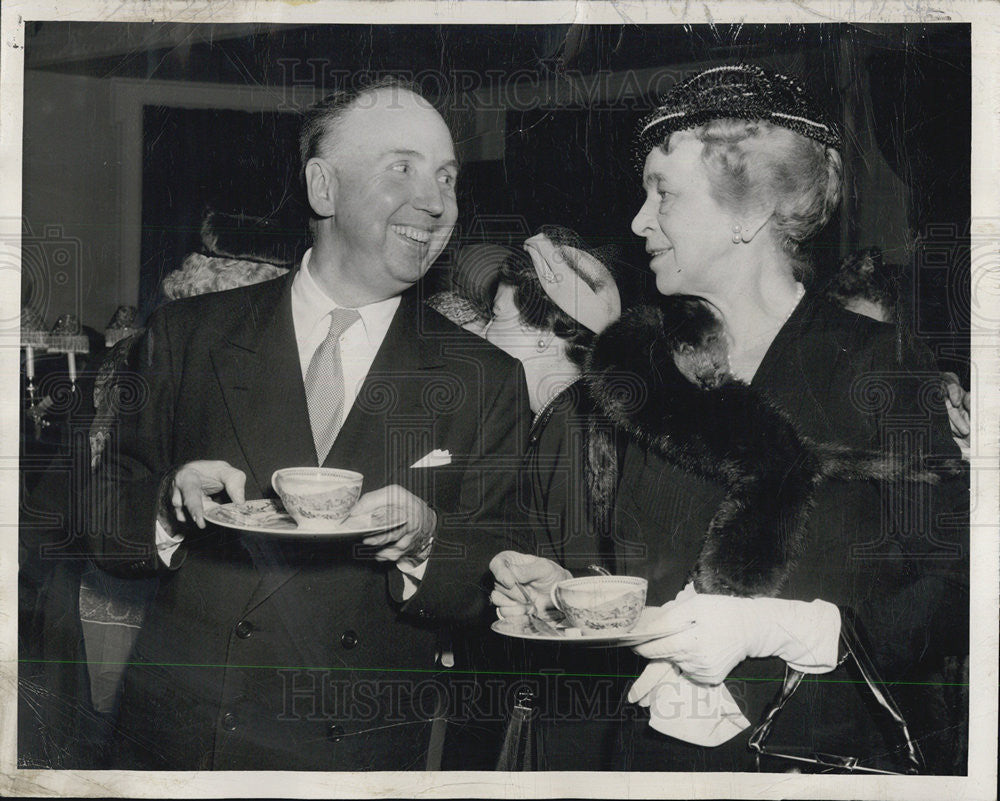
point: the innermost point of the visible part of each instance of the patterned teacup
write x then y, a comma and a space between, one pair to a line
317, 497
601, 604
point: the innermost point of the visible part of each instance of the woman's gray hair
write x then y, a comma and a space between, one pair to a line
751, 161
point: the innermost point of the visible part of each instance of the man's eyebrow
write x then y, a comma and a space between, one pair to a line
453, 163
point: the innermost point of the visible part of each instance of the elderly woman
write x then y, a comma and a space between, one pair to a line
743, 492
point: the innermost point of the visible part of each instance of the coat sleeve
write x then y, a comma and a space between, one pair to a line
456, 585
547, 487
929, 523
123, 497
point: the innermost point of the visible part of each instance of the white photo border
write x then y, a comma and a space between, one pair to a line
981, 781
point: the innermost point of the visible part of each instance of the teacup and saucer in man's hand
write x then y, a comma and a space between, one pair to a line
318, 498
329, 500
314, 502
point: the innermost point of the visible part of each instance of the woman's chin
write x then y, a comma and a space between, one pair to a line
668, 283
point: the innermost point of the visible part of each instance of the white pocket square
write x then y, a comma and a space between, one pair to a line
433, 459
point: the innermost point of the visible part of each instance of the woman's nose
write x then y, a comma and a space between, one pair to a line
642, 222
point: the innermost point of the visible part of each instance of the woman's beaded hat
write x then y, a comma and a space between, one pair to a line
738, 91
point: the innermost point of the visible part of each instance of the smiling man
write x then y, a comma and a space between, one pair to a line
316, 653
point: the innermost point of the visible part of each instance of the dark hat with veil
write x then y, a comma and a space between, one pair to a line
736, 91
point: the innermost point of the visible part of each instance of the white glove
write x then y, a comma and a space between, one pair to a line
654, 673
694, 713
711, 634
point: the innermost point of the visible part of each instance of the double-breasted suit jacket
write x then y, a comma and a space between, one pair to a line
281, 654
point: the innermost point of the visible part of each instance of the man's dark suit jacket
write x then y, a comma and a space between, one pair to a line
262, 653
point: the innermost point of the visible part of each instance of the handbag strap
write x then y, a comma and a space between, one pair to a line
853, 648
855, 641
793, 678
519, 750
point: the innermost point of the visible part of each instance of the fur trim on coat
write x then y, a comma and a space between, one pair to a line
660, 375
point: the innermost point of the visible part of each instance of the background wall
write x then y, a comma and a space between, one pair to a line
71, 191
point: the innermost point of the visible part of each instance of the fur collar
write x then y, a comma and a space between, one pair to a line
659, 374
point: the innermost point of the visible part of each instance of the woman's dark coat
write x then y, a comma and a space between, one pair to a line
893, 552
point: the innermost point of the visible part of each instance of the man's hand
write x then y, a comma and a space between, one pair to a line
195, 481
523, 583
409, 542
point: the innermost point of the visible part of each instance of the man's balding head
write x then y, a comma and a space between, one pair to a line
318, 132
380, 179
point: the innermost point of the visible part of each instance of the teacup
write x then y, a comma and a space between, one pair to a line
601, 604
317, 497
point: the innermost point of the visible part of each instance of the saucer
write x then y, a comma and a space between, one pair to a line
268, 516
639, 634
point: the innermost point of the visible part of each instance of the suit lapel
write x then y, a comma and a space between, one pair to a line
390, 396
261, 380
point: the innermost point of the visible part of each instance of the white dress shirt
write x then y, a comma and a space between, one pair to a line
359, 343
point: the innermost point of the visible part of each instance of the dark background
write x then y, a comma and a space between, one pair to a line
902, 92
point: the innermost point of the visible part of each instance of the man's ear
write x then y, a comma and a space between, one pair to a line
321, 186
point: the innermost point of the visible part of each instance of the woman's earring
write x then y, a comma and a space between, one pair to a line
737, 234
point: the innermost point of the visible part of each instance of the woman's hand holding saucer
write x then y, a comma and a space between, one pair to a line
523, 583
706, 636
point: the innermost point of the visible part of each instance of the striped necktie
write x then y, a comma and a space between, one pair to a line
325, 384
